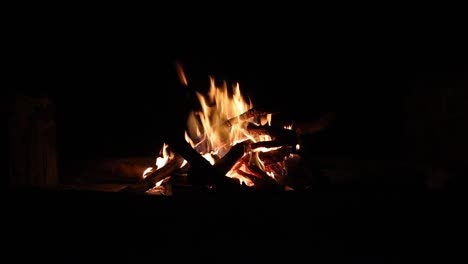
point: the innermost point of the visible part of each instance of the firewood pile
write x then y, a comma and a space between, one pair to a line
228, 143
252, 163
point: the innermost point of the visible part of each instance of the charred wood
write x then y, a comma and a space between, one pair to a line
260, 179
263, 182
205, 172
275, 155
313, 127
274, 132
250, 114
225, 164
277, 143
161, 173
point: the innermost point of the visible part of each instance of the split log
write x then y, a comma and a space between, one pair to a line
261, 174
261, 181
279, 169
281, 136
252, 113
155, 176
165, 188
224, 165
277, 143
272, 131
205, 171
275, 155
243, 161
102, 171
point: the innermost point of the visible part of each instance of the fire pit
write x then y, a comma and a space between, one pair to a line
228, 143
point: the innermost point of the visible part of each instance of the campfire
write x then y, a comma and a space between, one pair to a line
228, 142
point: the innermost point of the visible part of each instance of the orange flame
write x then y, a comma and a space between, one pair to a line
164, 156
205, 130
181, 74
208, 132
161, 160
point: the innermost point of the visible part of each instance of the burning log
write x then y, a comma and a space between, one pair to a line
275, 155
224, 165
260, 179
258, 183
196, 161
281, 136
164, 188
277, 143
161, 173
272, 131
252, 113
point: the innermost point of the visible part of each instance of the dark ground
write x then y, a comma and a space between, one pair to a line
329, 225
398, 93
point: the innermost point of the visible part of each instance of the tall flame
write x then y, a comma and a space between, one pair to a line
206, 128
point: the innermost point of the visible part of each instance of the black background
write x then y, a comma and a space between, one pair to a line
110, 72
115, 88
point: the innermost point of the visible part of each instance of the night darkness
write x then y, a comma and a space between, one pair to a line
114, 88
398, 93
